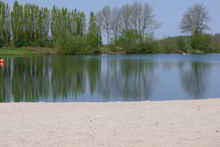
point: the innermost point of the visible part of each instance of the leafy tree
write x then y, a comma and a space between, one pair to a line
92, 31
129, 40
181, 43
81, 24
201, 41
17, 24
73, 44
99, 36
149, 45
2, 23
5, 29
137, 16
46, 26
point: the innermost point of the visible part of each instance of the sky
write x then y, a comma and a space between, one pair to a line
168, 12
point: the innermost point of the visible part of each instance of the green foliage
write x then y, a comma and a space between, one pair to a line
177, 44
27, 51
92, 24
75, 44
92, 40
30, 25
189, 44
1, 43
149, 45
216, 42
195, 51
19, 43
181, 43
4, 24
201, 41
113, 48
129, 40
168, 45
93, 37
99, 36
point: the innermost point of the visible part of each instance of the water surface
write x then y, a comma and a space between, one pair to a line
107, 78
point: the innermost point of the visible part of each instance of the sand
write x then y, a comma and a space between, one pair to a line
137, 124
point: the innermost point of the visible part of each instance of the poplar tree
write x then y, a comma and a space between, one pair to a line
17, 22
92, 31
2, 22
46, 25
7, 25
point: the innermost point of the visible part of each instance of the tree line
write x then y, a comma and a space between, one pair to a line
30, 25
127, 28
194, 23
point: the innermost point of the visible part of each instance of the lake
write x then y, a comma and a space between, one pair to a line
109, 78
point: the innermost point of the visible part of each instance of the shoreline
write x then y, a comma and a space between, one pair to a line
126, 124
113, 102
25, 51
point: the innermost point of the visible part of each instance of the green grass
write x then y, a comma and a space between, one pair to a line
103, 50
194, 51
27, 51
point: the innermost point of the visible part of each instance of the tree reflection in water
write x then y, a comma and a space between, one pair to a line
194, 77
66, 78
128, 80
101, 78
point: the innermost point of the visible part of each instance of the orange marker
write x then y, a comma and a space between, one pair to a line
1, 60
1, 64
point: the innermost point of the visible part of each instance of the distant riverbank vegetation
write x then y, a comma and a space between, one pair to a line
126, 29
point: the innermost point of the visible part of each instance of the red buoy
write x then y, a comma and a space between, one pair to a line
1, 60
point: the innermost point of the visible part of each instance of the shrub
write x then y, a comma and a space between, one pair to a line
74, 44
1, 43
201, 41
181, 43
129, 40
20, 43
149, 47
113, 48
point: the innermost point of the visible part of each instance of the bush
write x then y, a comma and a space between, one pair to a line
201, 41
129, 40
149, 47
1, 43
92, 40
181, 43
113, 48
21, 43
74, 44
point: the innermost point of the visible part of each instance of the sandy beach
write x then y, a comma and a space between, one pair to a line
137, 124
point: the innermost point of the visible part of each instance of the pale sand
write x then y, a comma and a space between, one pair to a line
141, 124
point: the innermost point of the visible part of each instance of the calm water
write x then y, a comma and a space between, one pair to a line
109, 78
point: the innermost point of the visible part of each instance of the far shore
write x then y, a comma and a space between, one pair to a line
26, 51
133, 124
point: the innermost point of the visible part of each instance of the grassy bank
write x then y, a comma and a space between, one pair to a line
28, 51
158, 50
102, 50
